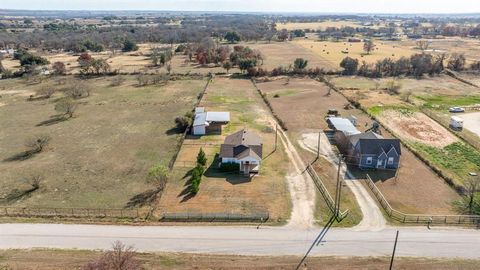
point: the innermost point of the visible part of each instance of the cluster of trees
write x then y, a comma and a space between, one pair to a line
245, 58
197, 172
161, 56
69, 35
28, 59
417, 65
90, 65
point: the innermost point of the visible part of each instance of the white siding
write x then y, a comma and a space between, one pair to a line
199, 130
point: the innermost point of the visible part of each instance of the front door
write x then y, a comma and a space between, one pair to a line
379, 163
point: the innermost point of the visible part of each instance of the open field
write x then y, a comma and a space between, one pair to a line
317, 25
231, 193
98, 158
303, 103
440, 92
76, 259
331, 52
468, 46
284, 54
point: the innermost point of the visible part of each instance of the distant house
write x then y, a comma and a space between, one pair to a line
7, 52
205, 122
244, 148
371, 151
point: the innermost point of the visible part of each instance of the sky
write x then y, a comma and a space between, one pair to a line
323, 6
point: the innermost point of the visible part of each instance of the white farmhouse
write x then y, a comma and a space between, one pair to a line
244, 148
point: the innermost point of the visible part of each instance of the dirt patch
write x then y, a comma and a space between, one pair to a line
23, 93
418, 127
472, 122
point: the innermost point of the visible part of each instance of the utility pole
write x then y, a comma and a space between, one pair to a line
318, 147
393, 254
276, 137
338, 190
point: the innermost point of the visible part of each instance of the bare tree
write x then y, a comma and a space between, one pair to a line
37, 144
66, 106
120, 257
393, 87
78, 90
423, 45
45, 92
368, 46
472, 186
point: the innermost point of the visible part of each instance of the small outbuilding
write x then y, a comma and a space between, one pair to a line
456, 122
206, 122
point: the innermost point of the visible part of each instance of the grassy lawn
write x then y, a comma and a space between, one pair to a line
445, 102
224, 192
98, 158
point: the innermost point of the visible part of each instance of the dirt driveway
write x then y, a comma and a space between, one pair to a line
372, 216
472, 122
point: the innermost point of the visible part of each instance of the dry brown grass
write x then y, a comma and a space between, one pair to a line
317, 25
100, 157
76, 259
331, 52
231, 193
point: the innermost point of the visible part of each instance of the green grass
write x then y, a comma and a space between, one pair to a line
457, 158
377, 110
444, 102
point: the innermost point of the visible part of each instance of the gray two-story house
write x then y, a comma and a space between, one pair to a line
371, 151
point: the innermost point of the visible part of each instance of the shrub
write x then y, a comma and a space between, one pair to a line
45, 92
117, 80
129, 46
66, 106
158, 175
77, 90
37, 143
229, 167
183, 122
197, 173
59, 68
201, 158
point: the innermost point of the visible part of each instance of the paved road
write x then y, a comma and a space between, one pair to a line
418, 242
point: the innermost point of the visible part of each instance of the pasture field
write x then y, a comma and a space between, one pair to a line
53, 259
468, 46
303, 110
100, 157
224, 192
284, 54
334, 52
321, 25
439, 92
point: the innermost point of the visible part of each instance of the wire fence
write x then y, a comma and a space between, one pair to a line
215, 217
423, 218
325, 194
134, 213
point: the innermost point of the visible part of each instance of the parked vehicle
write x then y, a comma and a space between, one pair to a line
456, 110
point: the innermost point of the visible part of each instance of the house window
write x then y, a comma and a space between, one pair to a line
390, 160
369, 160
